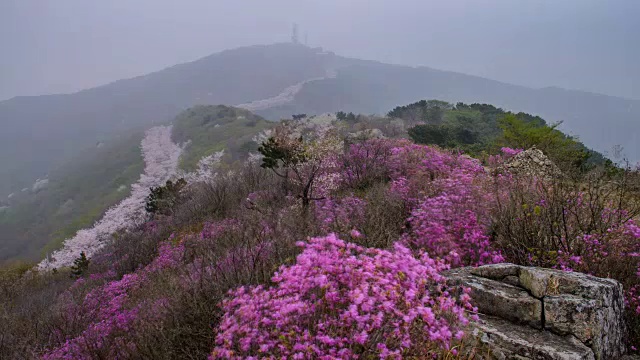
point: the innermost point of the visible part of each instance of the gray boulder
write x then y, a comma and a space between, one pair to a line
507, 340
532, 163
571, 311
499, 299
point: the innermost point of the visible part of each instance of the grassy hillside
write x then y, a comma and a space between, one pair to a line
36, 222
600, 121
77, 194
33, 223
340, 252
480, 129
209, 129
42, 132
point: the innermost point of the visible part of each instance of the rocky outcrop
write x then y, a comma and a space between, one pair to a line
535, 313
531, 162
507, 340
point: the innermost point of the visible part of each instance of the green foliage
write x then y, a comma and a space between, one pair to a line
80, 266
209, 129
277, 153
78, 194
80, 191
443, 135
11, 273
483, 128
348, 117
162, 198
564, 150
428, 111
430, 134
249, 146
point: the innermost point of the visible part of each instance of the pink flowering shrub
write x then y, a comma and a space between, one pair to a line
509, 152
632, 301
110, 314
365, 163
343, 301
547, 225
447, 231
588, 227
188, 278
449, 199
408, 211
340, 215
614, 254
415, 169
454, 224
496, 160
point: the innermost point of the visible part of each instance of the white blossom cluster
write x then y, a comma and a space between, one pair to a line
40, 184
254, 158
316, 127
206, 171
263, 136
286, 96
161, 157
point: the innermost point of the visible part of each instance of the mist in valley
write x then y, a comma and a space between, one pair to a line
319, 179
67, 46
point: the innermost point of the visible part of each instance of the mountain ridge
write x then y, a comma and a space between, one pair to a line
56, 126
66, 124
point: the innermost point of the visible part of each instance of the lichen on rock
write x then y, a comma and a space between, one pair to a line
575, 312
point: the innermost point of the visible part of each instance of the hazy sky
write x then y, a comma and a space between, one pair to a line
49, 46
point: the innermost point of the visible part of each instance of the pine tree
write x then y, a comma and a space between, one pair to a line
80, 266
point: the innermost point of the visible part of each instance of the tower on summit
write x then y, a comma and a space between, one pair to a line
294, 34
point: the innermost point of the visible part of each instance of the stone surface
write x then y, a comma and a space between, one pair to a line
535, 280
499, 299
532, 162
511, 280
510, 341
588, 307
496, 271
572, 308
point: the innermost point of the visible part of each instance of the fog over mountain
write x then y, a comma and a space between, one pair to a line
116, 69
42, 132
59, 47
348, 179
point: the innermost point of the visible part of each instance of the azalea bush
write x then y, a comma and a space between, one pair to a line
224, 274
344, 301
556, 224
445, 227
588, 226
450, 201
366, 163
155, 291
108, 313
420, 171
340, 215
